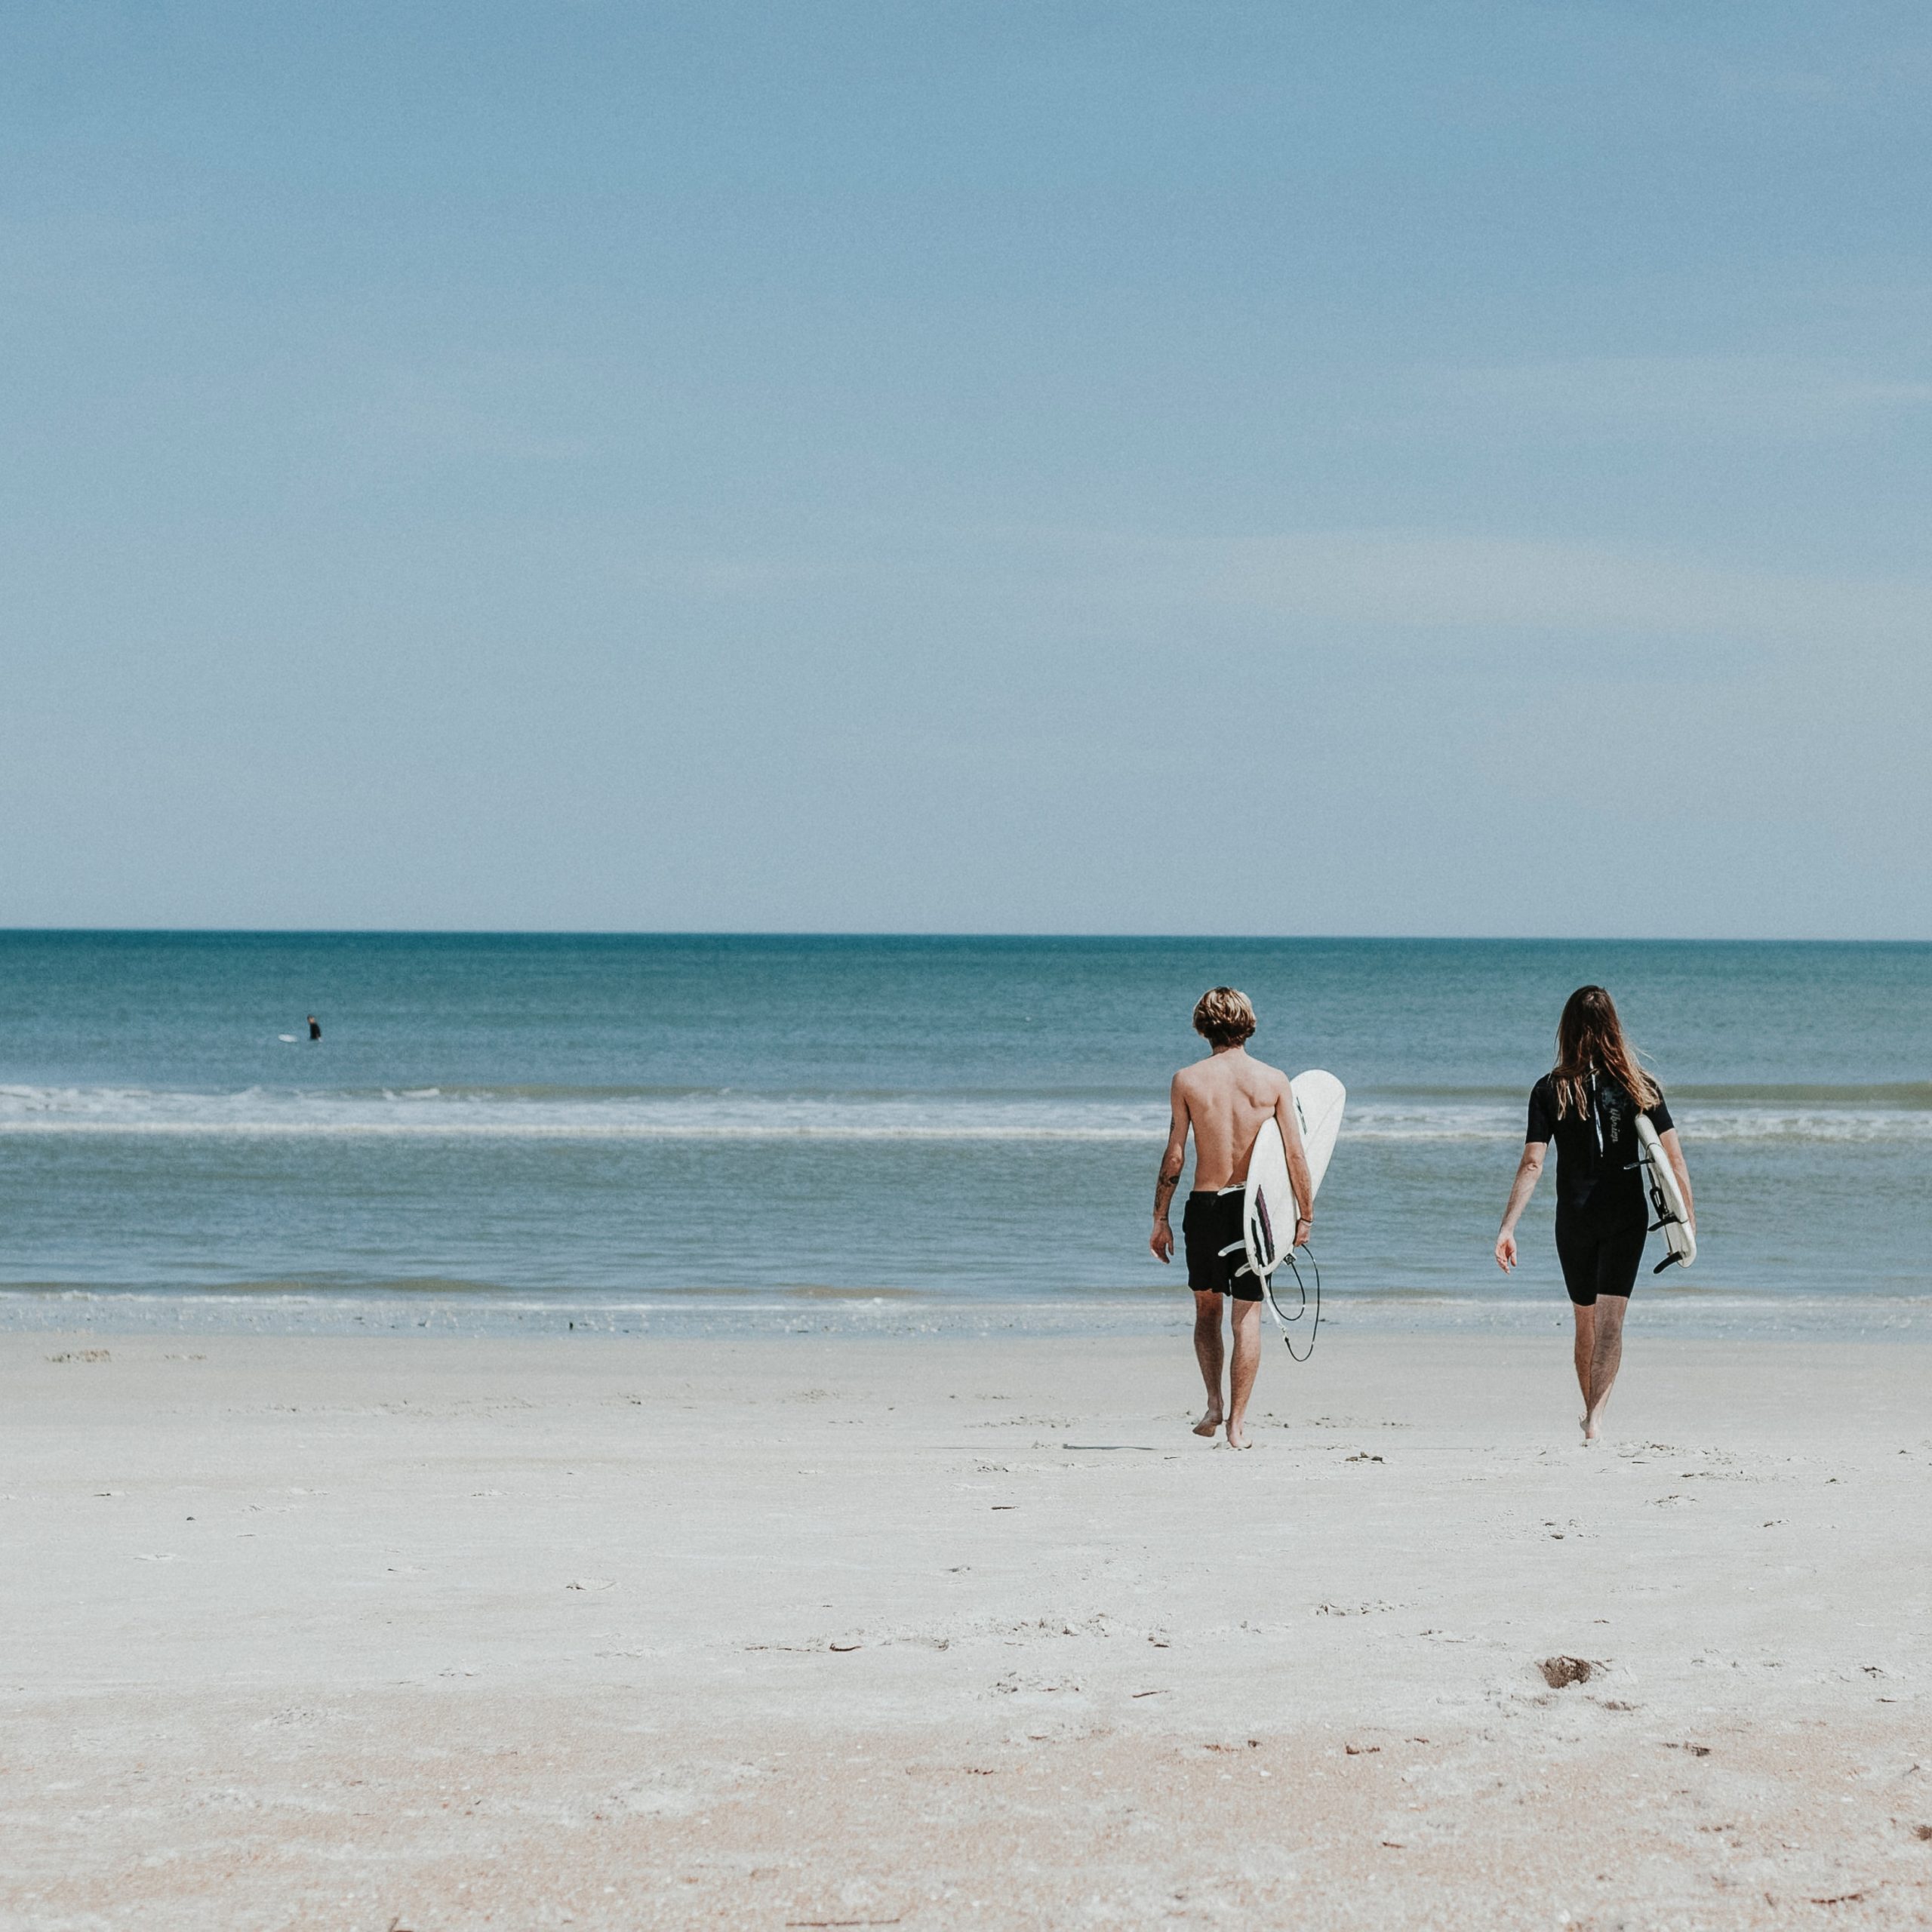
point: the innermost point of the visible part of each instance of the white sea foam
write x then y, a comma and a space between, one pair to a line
552, 1113
499, 1114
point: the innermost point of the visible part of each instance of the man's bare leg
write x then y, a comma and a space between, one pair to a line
1247, 1359
1209, 1352
1605, 1359
1585, 1348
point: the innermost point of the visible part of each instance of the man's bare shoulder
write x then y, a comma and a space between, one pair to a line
1273, 1073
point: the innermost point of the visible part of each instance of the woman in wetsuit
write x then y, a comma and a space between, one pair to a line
1588, 1103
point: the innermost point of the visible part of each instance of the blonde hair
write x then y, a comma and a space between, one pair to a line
1223, 1017
1589, 1040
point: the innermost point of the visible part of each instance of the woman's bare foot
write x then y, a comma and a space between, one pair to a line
1209, 1424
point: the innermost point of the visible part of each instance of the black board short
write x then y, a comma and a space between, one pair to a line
1596, 1263
1209, 1223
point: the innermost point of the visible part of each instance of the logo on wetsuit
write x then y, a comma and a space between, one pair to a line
1609, 1100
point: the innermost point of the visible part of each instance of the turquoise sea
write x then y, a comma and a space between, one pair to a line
700, 1132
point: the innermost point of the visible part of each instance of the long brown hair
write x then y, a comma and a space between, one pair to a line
1589, 1039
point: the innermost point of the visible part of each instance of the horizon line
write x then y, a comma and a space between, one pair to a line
959, 935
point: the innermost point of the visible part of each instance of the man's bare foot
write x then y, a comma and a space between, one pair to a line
1592, 1430
1209, 1424
1236, 1439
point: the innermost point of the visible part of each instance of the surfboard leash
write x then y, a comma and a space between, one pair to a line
1315, 1327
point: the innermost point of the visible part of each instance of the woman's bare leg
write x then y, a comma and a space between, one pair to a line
1585, 1348
1605, 1360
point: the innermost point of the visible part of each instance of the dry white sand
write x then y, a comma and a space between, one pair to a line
784, 1631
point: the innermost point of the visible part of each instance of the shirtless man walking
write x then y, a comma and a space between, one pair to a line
1224, 1100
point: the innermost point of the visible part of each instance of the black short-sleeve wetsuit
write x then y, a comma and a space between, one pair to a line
1602, 1212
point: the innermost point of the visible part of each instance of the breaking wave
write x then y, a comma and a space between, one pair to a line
553, 1113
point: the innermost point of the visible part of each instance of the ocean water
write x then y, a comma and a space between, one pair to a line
701, 1131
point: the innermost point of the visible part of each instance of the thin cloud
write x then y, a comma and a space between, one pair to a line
1422, 578
1106, 585
1646, 395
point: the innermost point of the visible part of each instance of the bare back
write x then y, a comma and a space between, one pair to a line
1227, 1099
1224, 1102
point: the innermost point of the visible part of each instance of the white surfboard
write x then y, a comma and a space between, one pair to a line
1268, 1217
1667, 1198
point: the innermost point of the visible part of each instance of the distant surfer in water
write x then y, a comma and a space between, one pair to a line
1588, 1103
315, 1028
1224, 1100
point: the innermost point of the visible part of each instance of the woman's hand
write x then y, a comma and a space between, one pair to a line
1529, 1171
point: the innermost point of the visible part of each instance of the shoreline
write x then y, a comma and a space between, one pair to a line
1680, 1313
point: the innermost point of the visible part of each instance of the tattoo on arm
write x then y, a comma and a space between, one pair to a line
1164, 1188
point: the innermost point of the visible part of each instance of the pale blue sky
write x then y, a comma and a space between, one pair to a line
1353, 468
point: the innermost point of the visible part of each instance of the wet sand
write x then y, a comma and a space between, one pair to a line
442, 1632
